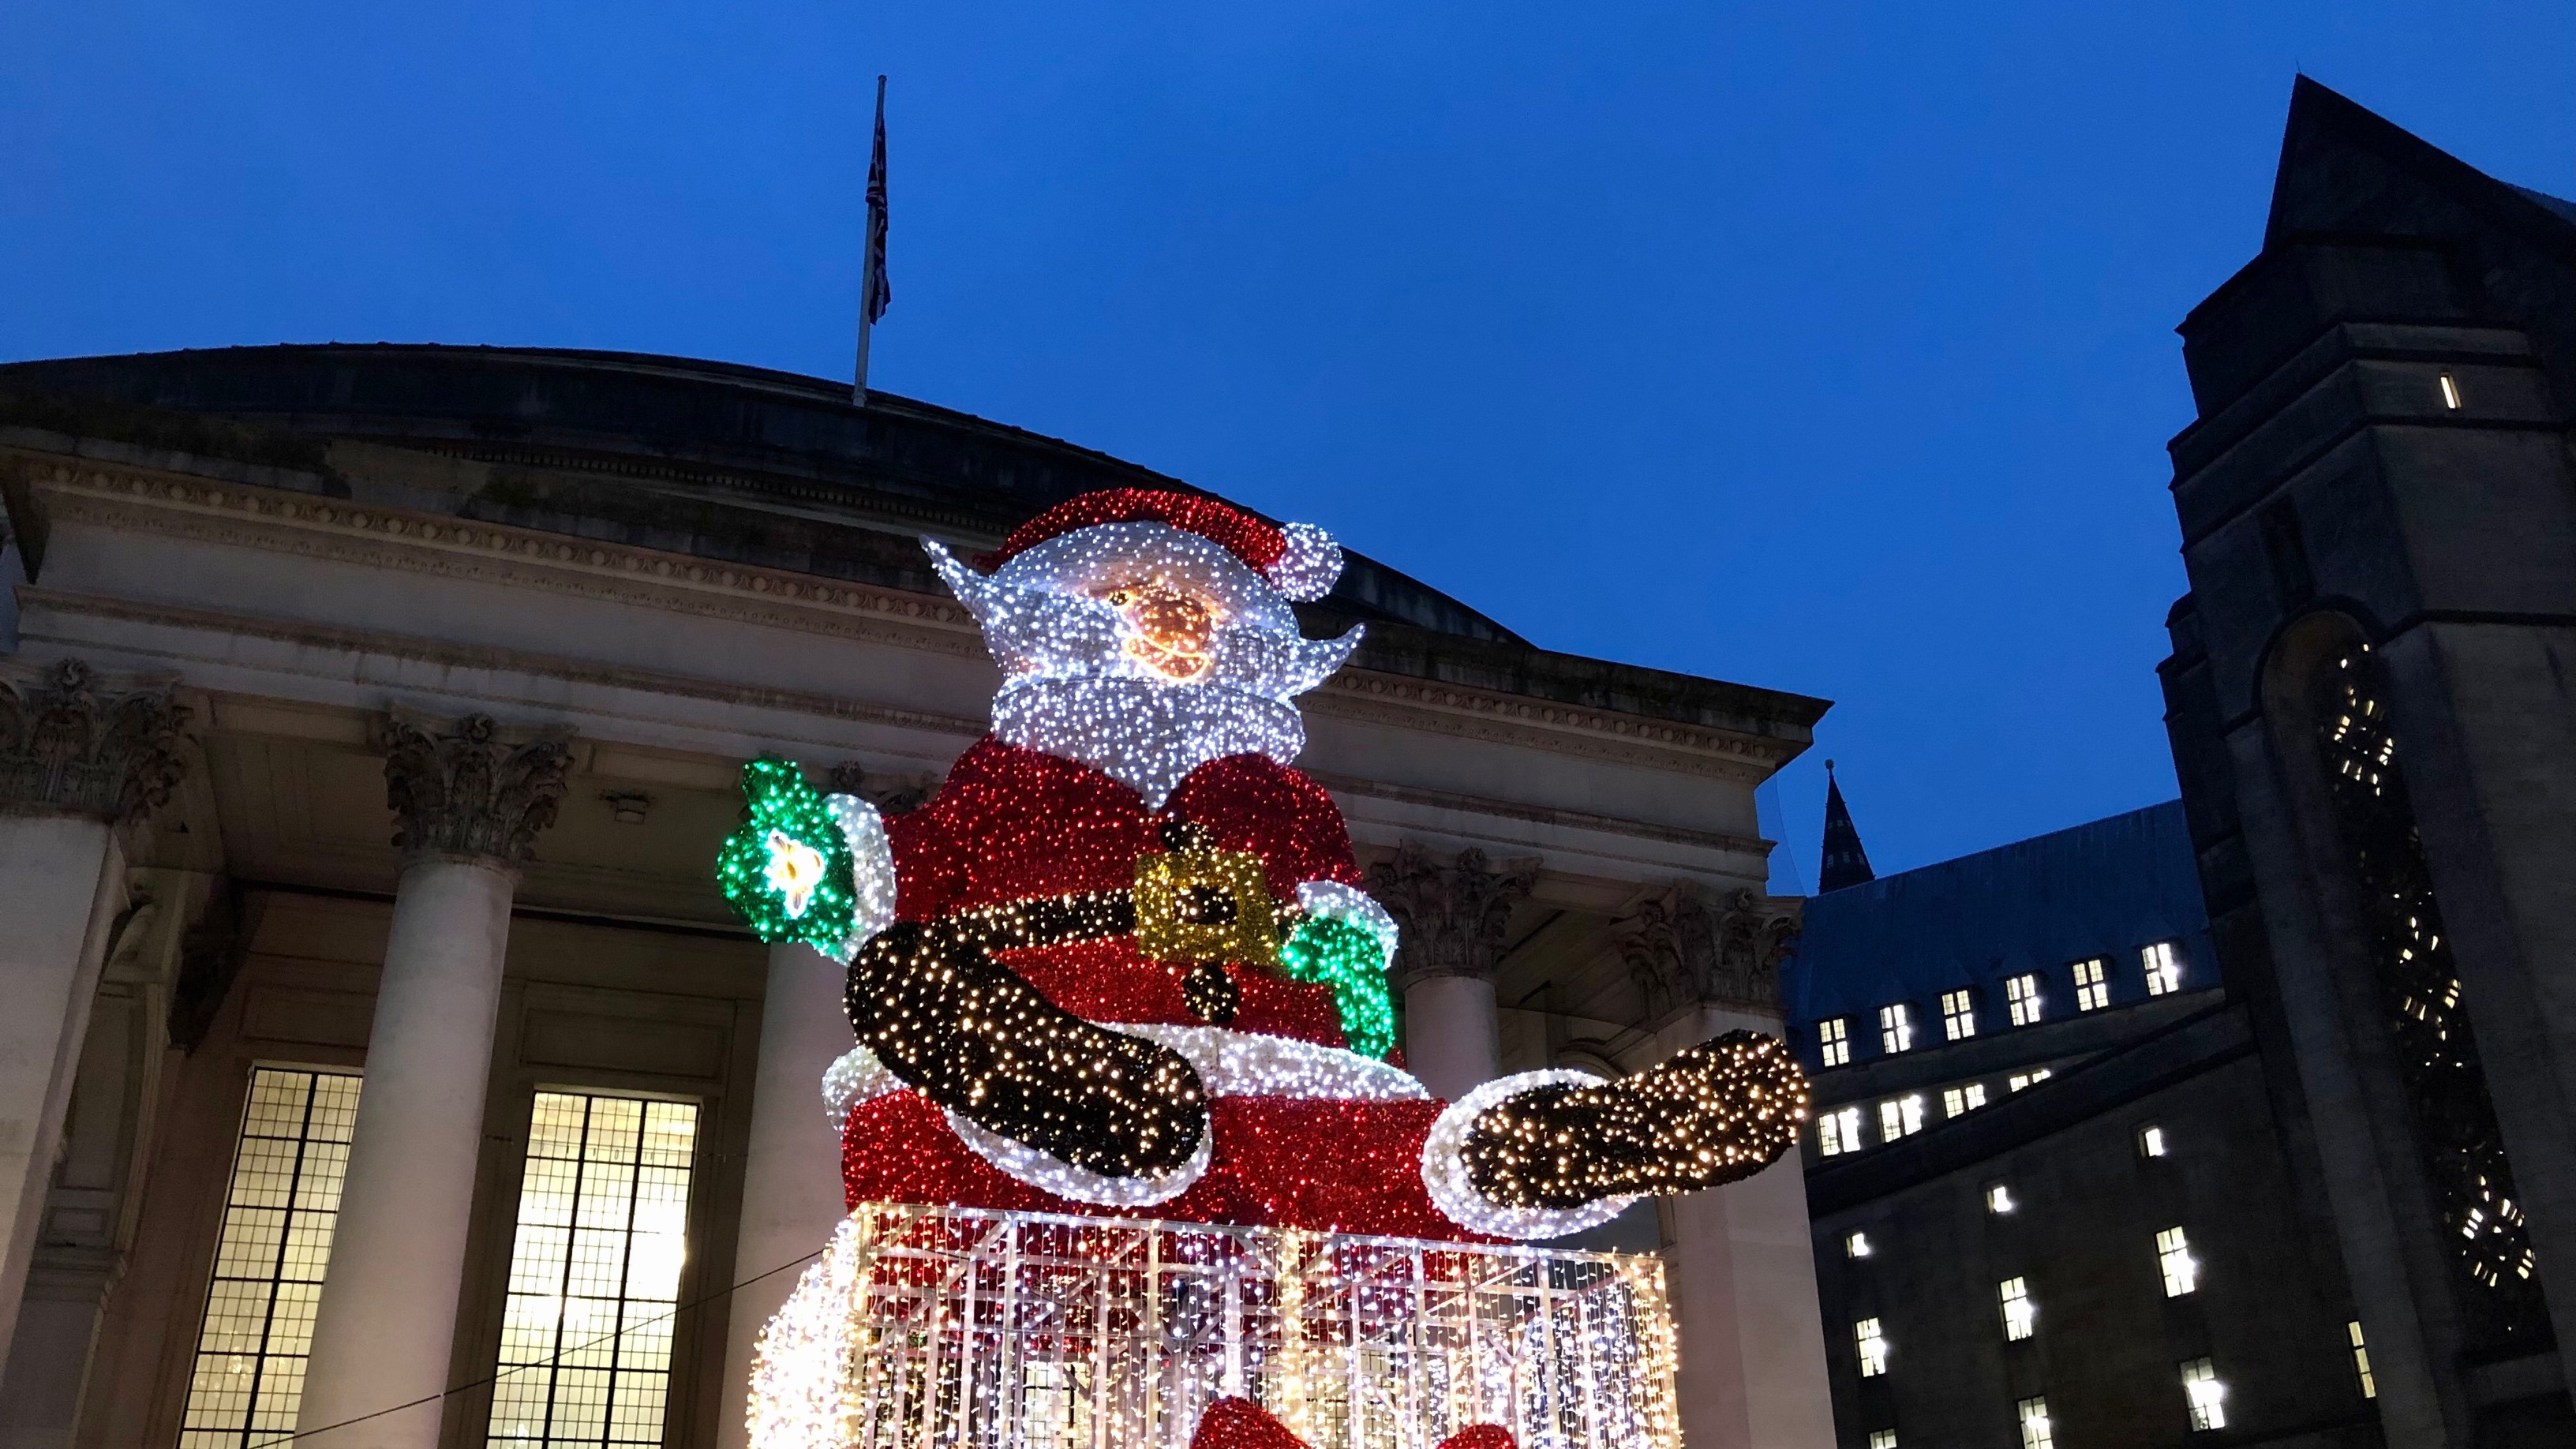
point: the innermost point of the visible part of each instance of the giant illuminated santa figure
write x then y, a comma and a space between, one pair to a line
1123, 962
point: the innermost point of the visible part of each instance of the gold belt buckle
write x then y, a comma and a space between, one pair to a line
1205, 905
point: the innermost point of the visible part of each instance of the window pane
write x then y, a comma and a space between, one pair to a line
595, 1273
283, 1200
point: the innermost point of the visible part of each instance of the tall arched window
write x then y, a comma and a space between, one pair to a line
2419, 995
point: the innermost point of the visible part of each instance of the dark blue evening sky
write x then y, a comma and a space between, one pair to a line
1820, 347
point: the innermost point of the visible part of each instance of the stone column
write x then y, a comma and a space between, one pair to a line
1741, 1262
80, 756
791, 1177
468, 803
1450, 916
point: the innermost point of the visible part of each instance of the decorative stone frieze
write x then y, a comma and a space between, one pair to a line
73, 742
1686, 945
472, 789
1452, 913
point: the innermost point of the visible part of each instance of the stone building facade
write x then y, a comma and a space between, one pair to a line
369, 720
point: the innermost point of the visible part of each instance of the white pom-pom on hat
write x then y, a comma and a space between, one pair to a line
1310, 567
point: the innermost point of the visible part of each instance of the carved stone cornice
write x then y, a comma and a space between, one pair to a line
1686, 945
471, 789
76, 743
126, 498
1450, 914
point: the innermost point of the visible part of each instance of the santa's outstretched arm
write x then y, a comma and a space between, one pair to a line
1546, 1153
935, 1007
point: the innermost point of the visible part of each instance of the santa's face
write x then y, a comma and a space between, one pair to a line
1144, 650
1170, 631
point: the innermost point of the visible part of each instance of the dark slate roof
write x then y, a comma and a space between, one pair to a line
688, 420
2104, 889
766, 468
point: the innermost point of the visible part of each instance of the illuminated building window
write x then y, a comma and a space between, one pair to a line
2021, 1315
1833, 1041
2208, 1396
1960, 1101
1958, 1016
1900, 1117
2021, 998
1838, 1132
595, 1273
2033, 1413
1896, 1028
2151, 1142
1856, 1246
1882, 1439
2092, 985
1999, 1199
2361, 1361
2173, 1255
2020, 1080
283, 1202
1872, 1345
2163, 962
2450, 392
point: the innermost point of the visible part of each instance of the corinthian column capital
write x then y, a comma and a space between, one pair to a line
1686, 945
471, 788
1450, 914
73, 742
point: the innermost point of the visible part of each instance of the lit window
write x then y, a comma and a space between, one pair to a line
2025, 1079
1958, 1016
1856, 1246
1900, 1117
1960, 1101
1882, 1439
595, 1274
276, 1239
1873, 1347
2361, 1361
2033, 1414
2450, 392
2173, 1255
1838, 1132
1896, 1028
2163, 961
2092, 985
2020, 1314
2208, 1396
1999, 1199
2021, 995
2151, 1142
1833, 1041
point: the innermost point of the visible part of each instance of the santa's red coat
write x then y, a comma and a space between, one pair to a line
1010, 824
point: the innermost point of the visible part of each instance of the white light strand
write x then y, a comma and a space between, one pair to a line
1444, 1167
1350, 903
1027, 1164
1230, 1063
872, 878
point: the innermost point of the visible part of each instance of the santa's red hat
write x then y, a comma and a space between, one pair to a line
1298, 559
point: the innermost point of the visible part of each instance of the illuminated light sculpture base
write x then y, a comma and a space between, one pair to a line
942, 1326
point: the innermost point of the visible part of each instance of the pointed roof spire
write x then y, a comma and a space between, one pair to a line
1844, 863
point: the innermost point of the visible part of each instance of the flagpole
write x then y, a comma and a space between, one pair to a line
871, 276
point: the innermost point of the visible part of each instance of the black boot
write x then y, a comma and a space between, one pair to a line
1719, 1111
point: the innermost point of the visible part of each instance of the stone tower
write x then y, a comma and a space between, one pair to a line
2372, 716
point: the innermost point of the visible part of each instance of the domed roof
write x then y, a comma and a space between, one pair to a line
662, 442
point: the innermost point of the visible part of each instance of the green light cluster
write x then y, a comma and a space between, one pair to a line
1345, 956
778, 801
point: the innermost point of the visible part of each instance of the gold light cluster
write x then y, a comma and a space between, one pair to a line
1714, 1113
931, 1001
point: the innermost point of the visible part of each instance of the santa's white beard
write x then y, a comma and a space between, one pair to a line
1141, 733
